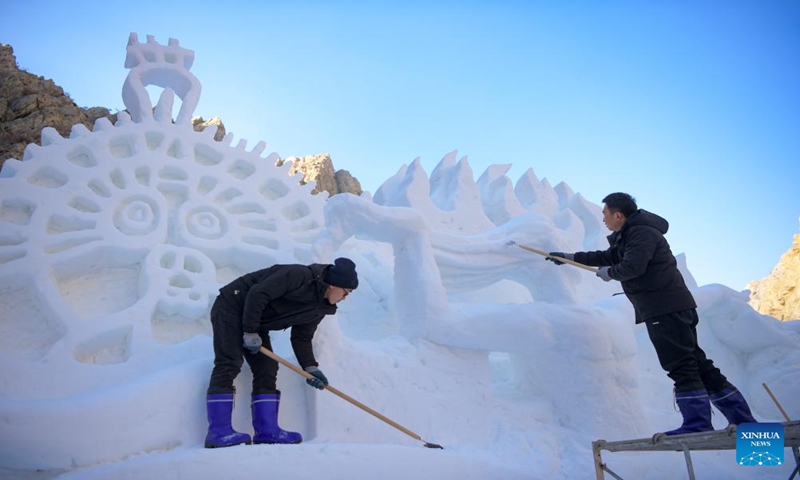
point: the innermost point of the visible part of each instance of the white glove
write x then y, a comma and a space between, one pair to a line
604, 273
252, 342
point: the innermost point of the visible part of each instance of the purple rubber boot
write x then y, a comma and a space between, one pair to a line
696, 410
265, 421
220, 431
732, 404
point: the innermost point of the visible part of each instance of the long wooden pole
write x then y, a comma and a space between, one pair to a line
560, 259
777, 403
346, 397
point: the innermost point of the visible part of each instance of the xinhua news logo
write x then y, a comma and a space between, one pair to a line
759, 444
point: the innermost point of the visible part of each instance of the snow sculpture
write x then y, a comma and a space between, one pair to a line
165, 66
143, 195
115, 241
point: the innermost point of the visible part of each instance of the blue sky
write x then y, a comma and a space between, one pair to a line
693, 107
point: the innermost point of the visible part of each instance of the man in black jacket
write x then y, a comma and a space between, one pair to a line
275, 298
640, 258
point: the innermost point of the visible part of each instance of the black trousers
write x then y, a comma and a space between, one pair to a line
229, 353
674, 337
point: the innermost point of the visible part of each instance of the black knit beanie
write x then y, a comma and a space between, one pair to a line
342, 274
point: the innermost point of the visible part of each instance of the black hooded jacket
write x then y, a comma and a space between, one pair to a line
280, 297
640, 258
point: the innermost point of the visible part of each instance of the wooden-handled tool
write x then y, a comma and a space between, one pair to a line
348, 398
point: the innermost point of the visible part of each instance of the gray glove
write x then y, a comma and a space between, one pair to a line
319, 382
603, 272
552, 257
252, 342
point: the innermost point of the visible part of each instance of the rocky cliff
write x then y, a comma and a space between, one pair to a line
29, 103
778, 294
319, 168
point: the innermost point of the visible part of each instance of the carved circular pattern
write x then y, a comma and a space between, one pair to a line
136, 216
206, 222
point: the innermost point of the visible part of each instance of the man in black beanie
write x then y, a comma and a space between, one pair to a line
275, 298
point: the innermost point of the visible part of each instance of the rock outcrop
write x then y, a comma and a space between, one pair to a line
778, 294
29, 103
199, 125
319, 169
345, 182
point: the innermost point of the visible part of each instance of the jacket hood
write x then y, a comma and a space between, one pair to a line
318, 269
643, 217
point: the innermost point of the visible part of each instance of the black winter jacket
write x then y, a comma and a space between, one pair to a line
640, 258
280, 297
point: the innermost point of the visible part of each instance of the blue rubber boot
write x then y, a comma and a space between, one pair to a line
265, 421
696, 410
732, 404
220, 431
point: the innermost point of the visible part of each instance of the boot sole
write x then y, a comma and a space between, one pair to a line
660, 435
277, 443
211, 445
